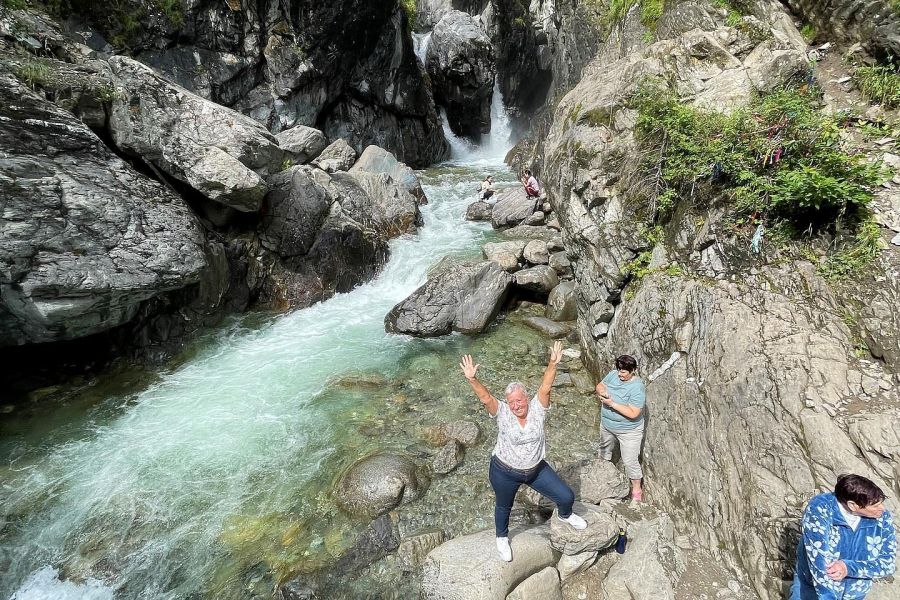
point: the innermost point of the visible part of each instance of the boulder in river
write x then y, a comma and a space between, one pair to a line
541, 279
561, 303
338, 156
479, 211
466, 433
460, 62
378, 160
215, 150
378, 483
448, 458
512, 207
463, 297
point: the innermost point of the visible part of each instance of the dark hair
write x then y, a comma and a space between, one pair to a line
626, 362
528, 171
858, 489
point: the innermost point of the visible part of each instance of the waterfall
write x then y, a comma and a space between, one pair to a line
420, 45
493, 147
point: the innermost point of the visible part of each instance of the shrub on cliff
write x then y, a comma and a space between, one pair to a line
780, 158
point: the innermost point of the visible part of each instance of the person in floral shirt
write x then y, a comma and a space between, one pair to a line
847, 541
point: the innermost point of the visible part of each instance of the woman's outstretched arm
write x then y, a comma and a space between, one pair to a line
550, 374
470, 369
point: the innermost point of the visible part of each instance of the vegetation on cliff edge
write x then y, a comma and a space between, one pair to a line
880, 84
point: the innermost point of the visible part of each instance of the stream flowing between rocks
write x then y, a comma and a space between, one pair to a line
212, 477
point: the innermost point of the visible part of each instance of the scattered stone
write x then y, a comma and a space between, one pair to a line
466, 433
537, 218
602, 530
561, 264
536, 252
506, 254
339, 156
467, 567
449, 457
541, 279
561, 303
378, 483
301, 144
544, 585
551, 329
479, 211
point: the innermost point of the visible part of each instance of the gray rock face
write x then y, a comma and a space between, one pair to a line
378, 483
541, 279
84, 239
561, 303
511, 208
479, 211
378, 160
296, 209
569, 566
338, 156
508, 255
345, 67
215, 150
544, 584
376, 541
467, 567
602, 530
460, 62
462, 298
874, 23
429, 12
301, 144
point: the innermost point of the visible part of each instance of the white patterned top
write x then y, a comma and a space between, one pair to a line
517, 446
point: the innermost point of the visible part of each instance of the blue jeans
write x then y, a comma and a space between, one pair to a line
542, 478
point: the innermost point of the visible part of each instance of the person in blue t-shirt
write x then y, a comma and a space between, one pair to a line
846, 540
622, 398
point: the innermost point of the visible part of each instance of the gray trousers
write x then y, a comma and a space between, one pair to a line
629, 448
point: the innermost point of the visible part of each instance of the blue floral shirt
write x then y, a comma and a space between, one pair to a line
870, 552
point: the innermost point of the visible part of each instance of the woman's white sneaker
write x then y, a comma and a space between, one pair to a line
503, 549
574, 520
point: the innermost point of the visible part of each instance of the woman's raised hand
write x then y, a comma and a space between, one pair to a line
468, 366
556, 353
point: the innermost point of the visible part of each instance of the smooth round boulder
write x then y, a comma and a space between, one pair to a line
536, 252
602, 530
561, 302
479, 211
378, 483
541, 279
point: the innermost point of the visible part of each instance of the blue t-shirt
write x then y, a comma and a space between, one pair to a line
629, 392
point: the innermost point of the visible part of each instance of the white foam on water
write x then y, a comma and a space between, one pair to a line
45, 584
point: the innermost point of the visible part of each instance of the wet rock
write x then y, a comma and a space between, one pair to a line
561, 302
511, 208
302, 144
375, 542
536, 252
541, 279
429, 12
215, 150
378, 483
85, 239
544, 585
448, 458
413, 549
338, 156
460, 62
466, 568
507, 255
378, 160
601, 533
551, 329
464, 298
479, 211
466, 433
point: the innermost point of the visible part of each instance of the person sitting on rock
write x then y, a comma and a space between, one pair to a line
622, 396
532, 187
518, 456
846, 541
486, 190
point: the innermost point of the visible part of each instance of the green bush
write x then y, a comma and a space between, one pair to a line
779, 158
879, 83
35, 73
410, 7
852, 258
651, 11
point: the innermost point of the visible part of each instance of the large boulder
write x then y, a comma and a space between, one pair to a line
602, 530
213, 149
302, 144
394, 210
561, 303
507, 255
512, 207
378, 483
338, 156
479, 211
85, 239
296, 208
646, 570
378, 160
414, 548
467, 567
460, 62
462, 297
544, 585
540, 279
536, 252
448, 458
466, 433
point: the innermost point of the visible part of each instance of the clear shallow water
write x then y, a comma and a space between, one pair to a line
211, 478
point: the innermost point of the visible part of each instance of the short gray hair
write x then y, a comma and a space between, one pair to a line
515, 385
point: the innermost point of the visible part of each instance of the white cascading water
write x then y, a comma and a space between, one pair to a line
131, 496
